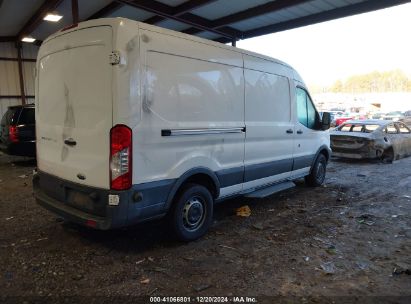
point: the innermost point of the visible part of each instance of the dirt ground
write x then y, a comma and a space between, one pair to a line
351, 237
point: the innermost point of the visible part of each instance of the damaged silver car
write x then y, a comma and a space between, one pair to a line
387, 140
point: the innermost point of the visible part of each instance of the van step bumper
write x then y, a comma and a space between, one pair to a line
270, 190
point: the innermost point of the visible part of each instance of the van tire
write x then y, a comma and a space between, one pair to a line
317, 175
192, 212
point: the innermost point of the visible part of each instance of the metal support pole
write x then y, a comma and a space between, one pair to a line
233, 41
74, 11
21, 78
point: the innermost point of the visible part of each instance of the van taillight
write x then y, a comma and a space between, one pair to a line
13, 134
120, 157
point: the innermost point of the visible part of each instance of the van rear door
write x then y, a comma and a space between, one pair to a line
74, 106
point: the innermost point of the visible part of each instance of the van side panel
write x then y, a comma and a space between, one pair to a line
268, 118
127, 75
192, 111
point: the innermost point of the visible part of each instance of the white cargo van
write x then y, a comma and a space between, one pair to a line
135, 122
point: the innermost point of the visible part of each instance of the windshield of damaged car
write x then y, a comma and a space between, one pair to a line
364, 128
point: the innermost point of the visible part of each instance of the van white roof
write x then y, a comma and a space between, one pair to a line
121, 22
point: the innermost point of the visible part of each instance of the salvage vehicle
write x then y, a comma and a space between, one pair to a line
17, 131
136, 122
383, 139
407, 118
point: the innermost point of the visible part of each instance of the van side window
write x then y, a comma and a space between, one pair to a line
306, 112
302, 107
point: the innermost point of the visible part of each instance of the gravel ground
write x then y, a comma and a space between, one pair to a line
351, 237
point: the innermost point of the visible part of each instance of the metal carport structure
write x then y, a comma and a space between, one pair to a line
220, 20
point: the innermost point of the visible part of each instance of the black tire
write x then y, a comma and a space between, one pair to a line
317, 175
192, 212
387, 156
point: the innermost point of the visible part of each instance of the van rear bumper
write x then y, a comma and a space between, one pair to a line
72, 214
90, 206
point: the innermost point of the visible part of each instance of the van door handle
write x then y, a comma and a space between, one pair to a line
290, 131
299, 132
70, 142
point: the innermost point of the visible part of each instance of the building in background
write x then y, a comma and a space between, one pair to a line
363, 103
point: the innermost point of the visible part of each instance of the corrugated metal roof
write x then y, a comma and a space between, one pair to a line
172, 2
222, 20
14, 14
172, 25
223, 8
131, 13
294, 12
89, 7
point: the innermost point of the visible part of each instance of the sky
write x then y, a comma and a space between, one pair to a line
325, 52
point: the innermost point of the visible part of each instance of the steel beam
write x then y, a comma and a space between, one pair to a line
7, 38
181, 9
252, 12
16, 59
166, 11
15, 96
21, 79
74, 11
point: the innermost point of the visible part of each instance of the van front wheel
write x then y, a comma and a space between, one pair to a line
192, 212
317, 175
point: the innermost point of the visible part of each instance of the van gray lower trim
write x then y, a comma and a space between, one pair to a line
237, 175
230, 177
183, 178
148, 200
257, 171
303, 161
80, 203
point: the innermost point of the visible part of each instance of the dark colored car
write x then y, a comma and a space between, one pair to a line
383, 139
17, 131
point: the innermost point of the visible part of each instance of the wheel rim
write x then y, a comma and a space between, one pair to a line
194, 213
320, 172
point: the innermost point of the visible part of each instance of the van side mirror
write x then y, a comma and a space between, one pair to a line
326, 121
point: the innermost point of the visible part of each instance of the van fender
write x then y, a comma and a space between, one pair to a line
320, 149
183, 178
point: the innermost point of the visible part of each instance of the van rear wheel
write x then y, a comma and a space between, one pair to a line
192, 212
317, 175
